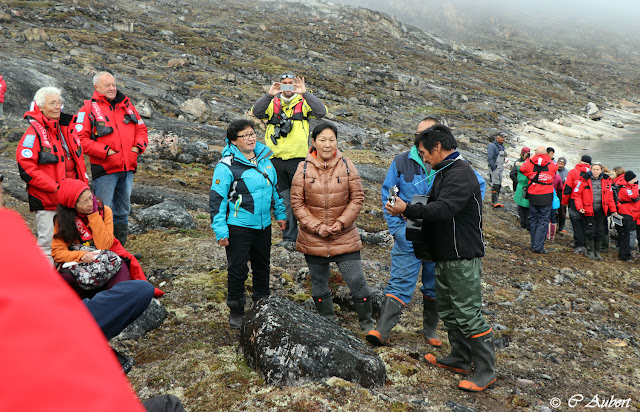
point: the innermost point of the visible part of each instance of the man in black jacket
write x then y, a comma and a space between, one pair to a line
453, 235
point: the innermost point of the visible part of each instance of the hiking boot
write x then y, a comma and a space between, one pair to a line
483, 353
590, 249
459, 360
430, 322
364, 311
389, 315
126, 362
324, 306
236, 308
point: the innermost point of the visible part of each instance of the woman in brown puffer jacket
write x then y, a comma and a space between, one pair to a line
326, 198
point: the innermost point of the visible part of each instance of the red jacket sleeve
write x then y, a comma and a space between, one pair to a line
577, 193
50, 342
27, 156
141, 137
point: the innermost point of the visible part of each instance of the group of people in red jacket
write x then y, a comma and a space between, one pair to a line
591, 195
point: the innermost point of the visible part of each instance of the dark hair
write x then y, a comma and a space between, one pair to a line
434, 134
66, 220
322, 126
237, 126
550, 149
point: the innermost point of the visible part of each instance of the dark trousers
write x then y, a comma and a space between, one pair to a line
286, 169
624, 247
578, 230
538, 222
594, 226
523, 212
118, 307
246, 245
562, 217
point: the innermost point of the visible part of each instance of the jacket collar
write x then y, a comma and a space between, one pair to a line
36, 114
103, 99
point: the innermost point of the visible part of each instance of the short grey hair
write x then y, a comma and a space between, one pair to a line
98, 75
43, 92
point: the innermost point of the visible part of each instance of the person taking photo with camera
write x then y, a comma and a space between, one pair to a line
287, 107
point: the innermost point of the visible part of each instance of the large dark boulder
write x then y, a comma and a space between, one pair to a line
169, 213
290, 345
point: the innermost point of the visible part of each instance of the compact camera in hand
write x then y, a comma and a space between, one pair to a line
286, 87
393, 194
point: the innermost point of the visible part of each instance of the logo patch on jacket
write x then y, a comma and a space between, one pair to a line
80, 118
629, 192
26, 153
78, 128
217, 181
29, 140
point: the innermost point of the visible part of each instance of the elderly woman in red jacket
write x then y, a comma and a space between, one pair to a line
593, 197
326, 197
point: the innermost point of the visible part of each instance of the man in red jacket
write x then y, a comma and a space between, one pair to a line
540, 170
113, 135
48, 153
581, 170
3, 89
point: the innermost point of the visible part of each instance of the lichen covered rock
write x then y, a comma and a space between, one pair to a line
290, 345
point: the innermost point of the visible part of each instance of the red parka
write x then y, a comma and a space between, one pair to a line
569, 183
102, 125
582, 195
53, 354
628, 198
540, 187
3, 89
42, 159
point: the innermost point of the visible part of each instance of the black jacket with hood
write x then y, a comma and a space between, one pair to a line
453, 214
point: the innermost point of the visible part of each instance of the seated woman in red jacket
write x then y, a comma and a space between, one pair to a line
593, 197
81, 218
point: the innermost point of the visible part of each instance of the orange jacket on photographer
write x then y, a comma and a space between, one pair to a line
102, 125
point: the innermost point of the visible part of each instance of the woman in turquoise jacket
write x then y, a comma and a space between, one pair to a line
243, 193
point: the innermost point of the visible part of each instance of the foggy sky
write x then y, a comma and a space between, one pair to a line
610, 15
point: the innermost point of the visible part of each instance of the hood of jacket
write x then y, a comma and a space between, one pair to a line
35, 113
541, 159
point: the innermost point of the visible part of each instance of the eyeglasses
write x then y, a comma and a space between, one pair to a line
248, 136
287, 76
54, 104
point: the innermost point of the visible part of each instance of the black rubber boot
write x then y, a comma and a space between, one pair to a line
389, 315
236, 312
459, 360
604, 246
364, 311
430, 322
120, 232
483, 353
597, 243
590, 246
324, 306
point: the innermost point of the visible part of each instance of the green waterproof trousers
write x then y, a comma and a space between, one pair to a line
459, 296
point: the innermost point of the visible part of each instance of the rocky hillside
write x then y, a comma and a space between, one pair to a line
564, 325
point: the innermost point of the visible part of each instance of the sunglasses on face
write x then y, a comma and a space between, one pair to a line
287, 76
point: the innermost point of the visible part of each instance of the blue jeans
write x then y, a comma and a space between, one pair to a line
538, 221
405, 268
115, 192
118, 307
